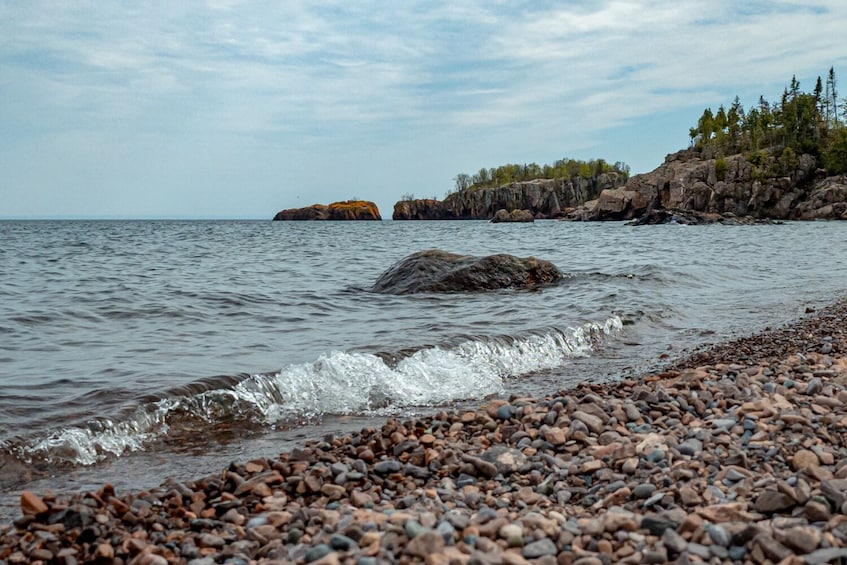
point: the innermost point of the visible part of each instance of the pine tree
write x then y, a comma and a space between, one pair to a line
834, 94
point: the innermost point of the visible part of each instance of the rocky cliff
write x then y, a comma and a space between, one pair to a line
544, 198
348, 210
767, 186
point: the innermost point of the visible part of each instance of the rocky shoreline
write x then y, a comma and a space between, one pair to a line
735, 454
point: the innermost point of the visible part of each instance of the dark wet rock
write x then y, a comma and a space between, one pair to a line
439, 271
693, 218
515, 216
656, 525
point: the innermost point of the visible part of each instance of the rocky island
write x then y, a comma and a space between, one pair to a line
346, 210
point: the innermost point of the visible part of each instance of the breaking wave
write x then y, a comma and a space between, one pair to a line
338, 383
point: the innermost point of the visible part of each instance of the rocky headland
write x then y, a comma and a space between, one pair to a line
439, 271
543, 198
735, 454
694, 180
346, 210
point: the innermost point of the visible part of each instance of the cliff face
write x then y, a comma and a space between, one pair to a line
544, 198
348, 210
688, 180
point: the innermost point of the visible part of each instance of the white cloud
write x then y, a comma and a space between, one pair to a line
463, 84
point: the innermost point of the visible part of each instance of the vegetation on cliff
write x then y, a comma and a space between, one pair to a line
513, 172
813, 123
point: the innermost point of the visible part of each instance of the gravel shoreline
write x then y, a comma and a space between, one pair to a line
734, 454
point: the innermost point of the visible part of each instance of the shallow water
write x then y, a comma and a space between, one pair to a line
135, 350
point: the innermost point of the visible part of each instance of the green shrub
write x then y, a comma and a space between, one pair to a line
721, 167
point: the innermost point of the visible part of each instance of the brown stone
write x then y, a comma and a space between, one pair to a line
803, 539
556, 436
770, 501
104, 552
594, 423
425, 544
32, 504
804, 459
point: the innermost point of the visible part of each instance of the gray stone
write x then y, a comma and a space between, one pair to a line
691, 447
506, 460
673, 541
539, 548
719, 535
342, 543
318, 552
835, 491
656, 525
699, 550
656, 455
644, 490
413, 528
815, 386
826, 555
388, 466
735, 475
724, 423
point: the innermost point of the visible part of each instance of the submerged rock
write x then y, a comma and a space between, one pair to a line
348, 210
439, 271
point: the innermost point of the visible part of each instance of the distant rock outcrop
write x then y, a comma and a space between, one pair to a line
692, 218
440, 271
517, 216
689, 180
421, 209
543, 198
347, 210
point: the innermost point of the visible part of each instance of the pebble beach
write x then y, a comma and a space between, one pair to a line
734, 454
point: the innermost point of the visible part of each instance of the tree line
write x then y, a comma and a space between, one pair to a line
514, 172
813, 123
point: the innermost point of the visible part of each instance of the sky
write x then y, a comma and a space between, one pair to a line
230, 109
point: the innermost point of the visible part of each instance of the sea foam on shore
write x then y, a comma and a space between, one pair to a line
735, 454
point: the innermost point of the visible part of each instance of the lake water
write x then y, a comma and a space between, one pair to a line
131, 351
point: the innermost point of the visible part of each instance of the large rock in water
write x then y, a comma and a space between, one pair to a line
439, 271
347, 210
518, 216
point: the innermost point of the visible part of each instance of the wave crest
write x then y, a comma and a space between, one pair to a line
338, 383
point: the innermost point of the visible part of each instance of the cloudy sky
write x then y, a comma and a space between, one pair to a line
229, 109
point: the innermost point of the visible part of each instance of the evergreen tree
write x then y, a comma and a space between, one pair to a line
833, 93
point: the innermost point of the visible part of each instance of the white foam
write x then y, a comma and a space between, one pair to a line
338, 383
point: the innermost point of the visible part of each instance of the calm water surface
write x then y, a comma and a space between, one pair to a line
135, 350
